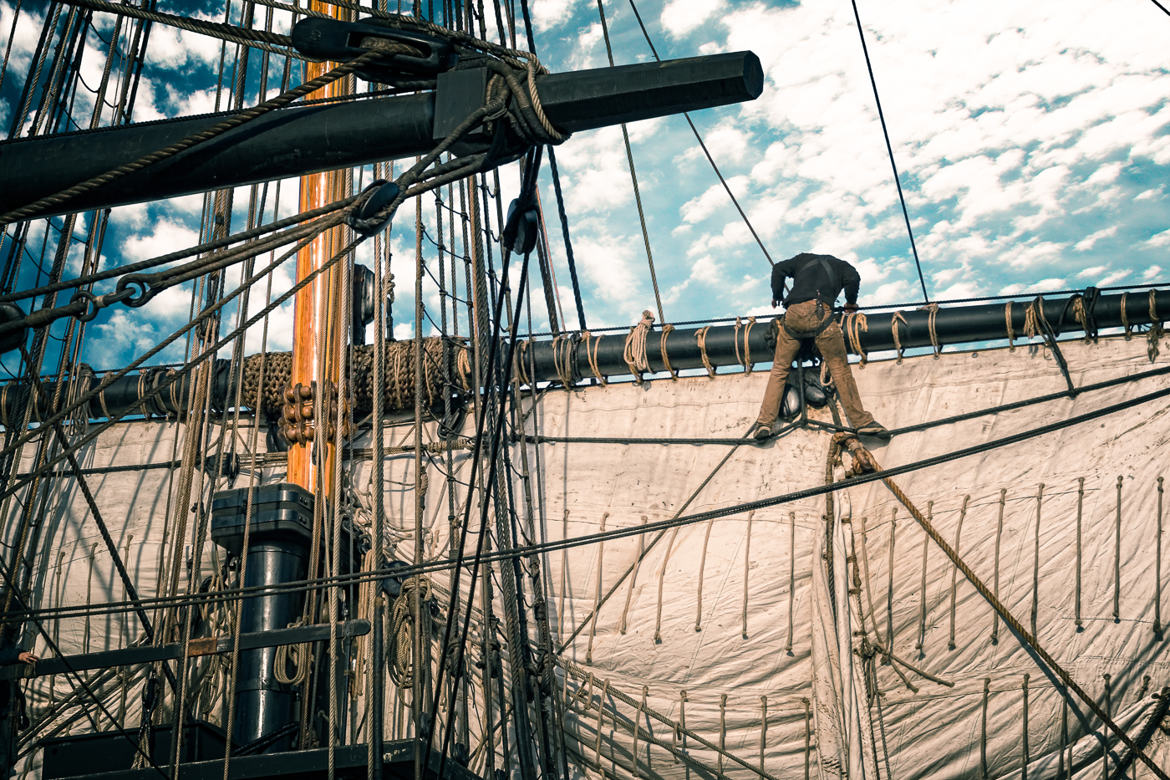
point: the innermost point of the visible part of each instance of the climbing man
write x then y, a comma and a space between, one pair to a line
817, 280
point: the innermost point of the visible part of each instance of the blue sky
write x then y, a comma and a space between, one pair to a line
1033, 140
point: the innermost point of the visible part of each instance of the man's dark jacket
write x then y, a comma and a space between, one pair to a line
815, 276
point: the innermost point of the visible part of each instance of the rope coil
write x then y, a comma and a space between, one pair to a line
591, 354
634, 352
701, 342
855, 324
666, 329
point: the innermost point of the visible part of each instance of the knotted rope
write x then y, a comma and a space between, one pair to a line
591, 354
521, 366
1125, 318
1156, 330
666, 329
563, 352
855, 323
701, 341
931, 318
894, 332
1082, 316
747, 349
634, 352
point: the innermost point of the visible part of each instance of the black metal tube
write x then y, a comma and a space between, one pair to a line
953, 326
295, 141
264, 705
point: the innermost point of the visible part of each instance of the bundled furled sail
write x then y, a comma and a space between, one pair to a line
827, 635
731, 609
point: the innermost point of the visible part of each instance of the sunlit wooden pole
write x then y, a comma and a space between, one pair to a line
318, 334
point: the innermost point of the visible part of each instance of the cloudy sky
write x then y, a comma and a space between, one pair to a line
1033, 142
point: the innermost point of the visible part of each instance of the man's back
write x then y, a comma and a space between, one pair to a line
815, 276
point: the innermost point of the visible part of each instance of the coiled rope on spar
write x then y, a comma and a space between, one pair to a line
865, 461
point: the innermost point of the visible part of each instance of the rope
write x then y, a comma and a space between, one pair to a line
747, 553
1034, 614
1117, 556
597, 594
591, 354
563, 352
701, 342
995, 580
666, 329
890, 150
930, 325
747, 350
1082, 316
1080, 510
297, 655
399, 648
855, 324
1158, 567
1035, 311
1156, 330
1125, 318
719, 174
634, 352
1007, 321
922, 587
894, 320
698, 580
633, 175
955, 571
1026, 639
735, 340
633, 578
791, 579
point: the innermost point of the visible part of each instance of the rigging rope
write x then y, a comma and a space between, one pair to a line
274, 43
686, 115
890, 151
633, 174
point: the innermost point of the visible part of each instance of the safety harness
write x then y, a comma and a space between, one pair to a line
826, 316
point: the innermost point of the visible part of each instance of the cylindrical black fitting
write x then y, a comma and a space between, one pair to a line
278, 523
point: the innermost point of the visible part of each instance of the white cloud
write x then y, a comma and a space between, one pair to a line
166, 236
680, 17
550, 14
1091, 240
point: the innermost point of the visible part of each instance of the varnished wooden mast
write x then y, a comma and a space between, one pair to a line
318, 334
